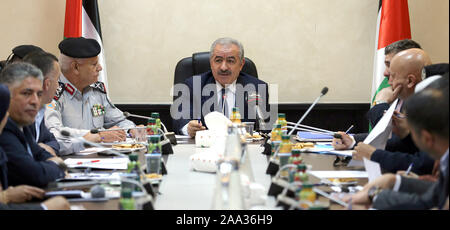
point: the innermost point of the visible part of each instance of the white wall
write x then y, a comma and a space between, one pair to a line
300, 45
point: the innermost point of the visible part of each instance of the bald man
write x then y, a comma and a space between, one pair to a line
405, 73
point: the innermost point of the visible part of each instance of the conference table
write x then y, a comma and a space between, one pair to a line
183, 188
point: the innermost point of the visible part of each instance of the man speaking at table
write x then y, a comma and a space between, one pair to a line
220, 89
81, 103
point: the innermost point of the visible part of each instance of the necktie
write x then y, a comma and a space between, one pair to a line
224, 103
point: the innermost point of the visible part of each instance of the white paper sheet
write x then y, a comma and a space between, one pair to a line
381, 132
90, 151
99, 163
182, 137
339, 174
372, 168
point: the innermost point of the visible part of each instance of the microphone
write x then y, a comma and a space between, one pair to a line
147, 188
254, 99
88, 144
165, 145
169, 135
95, 131
97, 191
323, 92
273, 166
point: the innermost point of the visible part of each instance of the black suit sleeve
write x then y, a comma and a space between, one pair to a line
20, 207
376, 113
23, 169
405, 145
48, 138
394, 161
186, 98
413, 194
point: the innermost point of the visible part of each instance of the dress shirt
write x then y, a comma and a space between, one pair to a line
38, 122
230, 98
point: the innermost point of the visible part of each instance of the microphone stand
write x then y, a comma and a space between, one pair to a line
147, 187
168, 135
273, 164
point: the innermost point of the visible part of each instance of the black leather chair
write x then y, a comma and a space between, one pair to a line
199, 63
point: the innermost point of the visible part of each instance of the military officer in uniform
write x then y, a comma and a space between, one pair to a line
81, 102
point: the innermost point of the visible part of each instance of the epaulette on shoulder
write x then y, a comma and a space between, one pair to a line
100, 86
59, 91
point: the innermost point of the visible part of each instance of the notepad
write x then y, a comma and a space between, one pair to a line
339, 174
309, 136
98, 163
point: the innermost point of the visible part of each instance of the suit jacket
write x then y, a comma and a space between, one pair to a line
197, 100
394, 161
3, 169
45, 136
415, 194
22, 167
20, 207
376, 113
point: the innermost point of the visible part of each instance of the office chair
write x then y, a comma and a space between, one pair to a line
199, 63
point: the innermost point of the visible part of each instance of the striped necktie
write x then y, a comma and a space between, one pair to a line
224, 104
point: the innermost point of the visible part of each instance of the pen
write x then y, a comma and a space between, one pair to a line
94, 161
348, 130
409, 169
399, 115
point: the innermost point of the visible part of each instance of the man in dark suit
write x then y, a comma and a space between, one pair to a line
220, 89
49, 66
28, 163
427, 113
405, 73
21, 193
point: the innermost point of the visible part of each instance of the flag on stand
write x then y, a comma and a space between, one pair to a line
83, 20
392, 25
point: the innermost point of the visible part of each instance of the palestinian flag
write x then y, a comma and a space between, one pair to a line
392, 25
83, 20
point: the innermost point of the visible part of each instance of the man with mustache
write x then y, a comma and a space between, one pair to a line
220, 89
28, 163
81, 103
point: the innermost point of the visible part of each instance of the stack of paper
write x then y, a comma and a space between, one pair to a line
98, 163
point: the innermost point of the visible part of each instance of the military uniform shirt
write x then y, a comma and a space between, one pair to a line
79, 112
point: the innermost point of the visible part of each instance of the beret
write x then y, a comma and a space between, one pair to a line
79, 47
22, 50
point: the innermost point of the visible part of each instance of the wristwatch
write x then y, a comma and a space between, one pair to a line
373, 192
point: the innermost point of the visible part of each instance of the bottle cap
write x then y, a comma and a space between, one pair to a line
154, 138
155, 115
281, 115
296, 152
126, 193
285, 137
301, 167
152, 120
133, 157
235, 109
307, 185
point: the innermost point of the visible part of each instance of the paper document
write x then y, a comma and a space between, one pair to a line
94, 176
355, 163
99, 163
90, 151
329, 150
381, 132
372, 168
339, 174
182, 137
